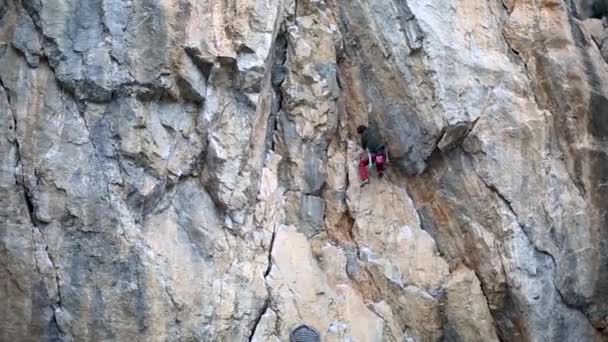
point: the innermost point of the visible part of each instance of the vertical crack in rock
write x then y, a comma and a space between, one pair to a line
295, 11
29, 203
493, 189
258, 318
8, 98
81, 109
267, 301
277, 77
519, 56
269, 266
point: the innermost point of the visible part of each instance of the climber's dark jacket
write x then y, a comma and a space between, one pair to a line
370, 138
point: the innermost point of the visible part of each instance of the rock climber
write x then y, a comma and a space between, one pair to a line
374, 155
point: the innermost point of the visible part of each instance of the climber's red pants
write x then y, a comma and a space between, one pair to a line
379, 160
363, 167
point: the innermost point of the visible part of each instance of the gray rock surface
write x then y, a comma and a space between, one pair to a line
184, 170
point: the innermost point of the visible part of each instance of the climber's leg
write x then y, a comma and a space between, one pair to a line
380, 162
363, 168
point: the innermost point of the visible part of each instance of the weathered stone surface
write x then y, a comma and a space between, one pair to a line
466, 310
595, 27
187, 170
604, 52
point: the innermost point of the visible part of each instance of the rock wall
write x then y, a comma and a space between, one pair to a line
180, 170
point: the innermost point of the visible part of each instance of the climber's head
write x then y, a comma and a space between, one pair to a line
361, 129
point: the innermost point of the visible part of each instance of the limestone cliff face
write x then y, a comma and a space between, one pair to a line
186, 170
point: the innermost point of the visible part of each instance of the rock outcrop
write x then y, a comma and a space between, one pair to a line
184, 170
